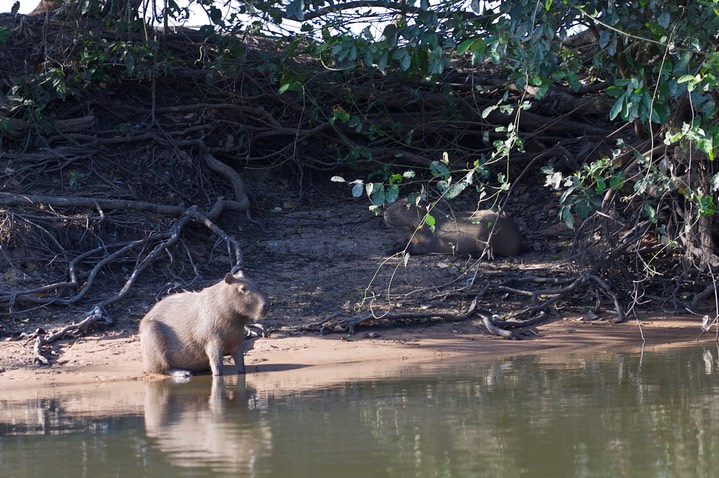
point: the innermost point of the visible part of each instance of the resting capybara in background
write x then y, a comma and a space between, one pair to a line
192, 331
454, 234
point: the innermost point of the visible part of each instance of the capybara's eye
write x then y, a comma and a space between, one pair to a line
242, 288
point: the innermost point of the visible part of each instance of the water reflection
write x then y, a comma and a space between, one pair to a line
603, 415
201, 424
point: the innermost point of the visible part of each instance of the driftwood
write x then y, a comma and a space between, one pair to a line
43, 339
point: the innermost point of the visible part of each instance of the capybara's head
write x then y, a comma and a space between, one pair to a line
402, 214
244, 297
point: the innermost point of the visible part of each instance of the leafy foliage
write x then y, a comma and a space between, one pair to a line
657, 60
653, 54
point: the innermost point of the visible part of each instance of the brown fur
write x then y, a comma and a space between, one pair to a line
464, 234
192, 331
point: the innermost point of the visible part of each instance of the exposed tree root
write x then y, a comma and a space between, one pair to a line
492, 322
512, 327
147, 250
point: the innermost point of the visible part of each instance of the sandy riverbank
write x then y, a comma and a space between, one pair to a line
317, 360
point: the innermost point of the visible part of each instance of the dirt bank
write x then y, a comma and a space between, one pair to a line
318, 360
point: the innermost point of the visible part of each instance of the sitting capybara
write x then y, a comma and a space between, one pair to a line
454, 234
192, 331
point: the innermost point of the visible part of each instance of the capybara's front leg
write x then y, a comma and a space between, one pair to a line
214, 353
239, 357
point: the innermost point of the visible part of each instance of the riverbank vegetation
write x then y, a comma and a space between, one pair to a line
131, 143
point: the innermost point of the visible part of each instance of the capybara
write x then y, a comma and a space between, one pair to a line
192, 331
466, 233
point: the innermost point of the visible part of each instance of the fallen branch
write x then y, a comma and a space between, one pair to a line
19, 199
494, 326
17, 129
94, 317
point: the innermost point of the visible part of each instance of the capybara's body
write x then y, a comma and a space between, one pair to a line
463, 234
192, 331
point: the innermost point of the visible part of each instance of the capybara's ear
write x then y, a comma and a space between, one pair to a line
229, 278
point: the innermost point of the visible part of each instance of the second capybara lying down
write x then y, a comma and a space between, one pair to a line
458, 234
192, 331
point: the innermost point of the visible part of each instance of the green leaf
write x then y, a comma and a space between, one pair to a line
294, 9
439, 169
207, 30
649, 212
391, 194
664, 19
5, 35
567, 217
486, 112
216, 15
357, 190
715, 182
382, 62
390, 33
405, 63
464, 46
604, 38
378, 196
692, 80
617, 108
430, 221
368, 58
616, 182
455, 189
130, 64
573, 80
541, 91
601, 186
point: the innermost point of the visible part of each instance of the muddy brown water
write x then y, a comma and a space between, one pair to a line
606, 414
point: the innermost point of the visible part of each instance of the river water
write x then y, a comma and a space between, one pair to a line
654, 414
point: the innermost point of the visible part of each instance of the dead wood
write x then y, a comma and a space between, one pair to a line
43, 339
148, 250
17, 129
19, 199
493, 323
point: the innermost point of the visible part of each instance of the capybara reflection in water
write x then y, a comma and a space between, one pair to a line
461, 234
192, 331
